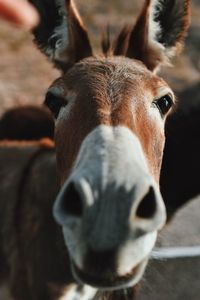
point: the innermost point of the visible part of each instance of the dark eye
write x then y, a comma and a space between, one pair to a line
54, 103
164, 104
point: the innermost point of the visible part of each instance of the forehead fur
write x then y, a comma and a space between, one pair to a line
112, 76
109, 65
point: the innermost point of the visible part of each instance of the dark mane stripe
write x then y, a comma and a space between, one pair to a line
106, 42
121, 43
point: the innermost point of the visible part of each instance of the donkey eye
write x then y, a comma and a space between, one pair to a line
54, 103
164, 104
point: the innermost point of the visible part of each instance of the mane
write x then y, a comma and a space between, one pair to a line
120, 44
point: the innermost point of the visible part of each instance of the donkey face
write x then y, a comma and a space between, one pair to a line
112, 92
110, 113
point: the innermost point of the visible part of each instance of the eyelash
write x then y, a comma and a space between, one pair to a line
54, 103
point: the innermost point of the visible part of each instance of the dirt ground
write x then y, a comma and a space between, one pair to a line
25, 74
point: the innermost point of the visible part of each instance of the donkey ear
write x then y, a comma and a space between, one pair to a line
159, 31
61, 34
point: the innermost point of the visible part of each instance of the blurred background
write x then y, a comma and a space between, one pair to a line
25, 74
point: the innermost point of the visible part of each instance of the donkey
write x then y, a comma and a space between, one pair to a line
26, 123
110, 112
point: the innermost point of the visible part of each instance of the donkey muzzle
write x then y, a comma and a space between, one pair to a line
110, 210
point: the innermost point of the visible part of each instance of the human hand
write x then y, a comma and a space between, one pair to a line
19, 12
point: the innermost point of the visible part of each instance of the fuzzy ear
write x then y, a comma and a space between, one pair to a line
61, 34
159, 31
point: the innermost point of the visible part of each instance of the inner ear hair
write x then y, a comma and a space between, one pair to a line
159, 31
173, 19
61, 34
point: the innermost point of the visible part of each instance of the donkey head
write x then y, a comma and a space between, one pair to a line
110, 113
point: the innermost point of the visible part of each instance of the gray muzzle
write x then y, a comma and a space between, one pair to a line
110, 210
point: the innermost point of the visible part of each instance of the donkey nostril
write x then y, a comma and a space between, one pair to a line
147, 207
72, 204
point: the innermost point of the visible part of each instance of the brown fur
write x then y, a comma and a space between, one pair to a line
79, 41
118, 105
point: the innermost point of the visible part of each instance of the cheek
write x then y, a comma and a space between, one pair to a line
157, 147
151, 135
65, 148
70, 132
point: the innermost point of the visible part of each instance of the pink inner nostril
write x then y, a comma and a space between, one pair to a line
147, 207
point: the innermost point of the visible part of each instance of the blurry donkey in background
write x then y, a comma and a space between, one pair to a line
110, 113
